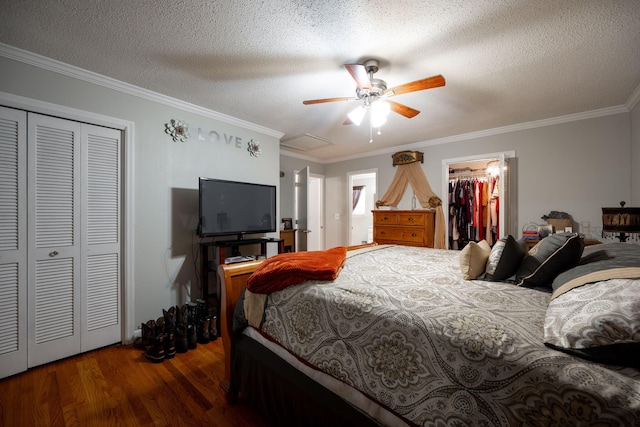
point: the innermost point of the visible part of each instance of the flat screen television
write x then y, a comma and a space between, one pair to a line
230, 208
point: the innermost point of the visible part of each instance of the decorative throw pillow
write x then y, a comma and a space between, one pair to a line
473, 259
547, 259
598, 321
504, 259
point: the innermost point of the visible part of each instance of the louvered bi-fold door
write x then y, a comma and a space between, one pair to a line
54, 238
13, 242
101, 225
74, 239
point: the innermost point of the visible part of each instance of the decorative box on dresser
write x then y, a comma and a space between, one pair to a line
410, 228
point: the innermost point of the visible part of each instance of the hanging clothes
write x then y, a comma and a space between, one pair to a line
467, 211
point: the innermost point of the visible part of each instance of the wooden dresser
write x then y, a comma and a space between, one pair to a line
411, 228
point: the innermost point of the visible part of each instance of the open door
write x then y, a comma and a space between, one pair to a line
302, 207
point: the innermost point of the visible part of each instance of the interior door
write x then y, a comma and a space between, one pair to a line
13, 242
74, 250
302, 206
54, 238
100, 306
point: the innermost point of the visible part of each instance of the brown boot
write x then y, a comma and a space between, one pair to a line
169, 319
169, 345
203, 331
148, 332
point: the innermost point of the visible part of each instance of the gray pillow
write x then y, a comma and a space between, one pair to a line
598, 321
547, 259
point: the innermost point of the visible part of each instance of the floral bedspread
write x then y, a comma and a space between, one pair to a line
401, 325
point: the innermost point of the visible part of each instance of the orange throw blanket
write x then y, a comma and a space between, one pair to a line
288, 269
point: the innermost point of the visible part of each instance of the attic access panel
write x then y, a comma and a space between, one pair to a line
305, 142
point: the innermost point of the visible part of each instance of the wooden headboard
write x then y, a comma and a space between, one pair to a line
233, 278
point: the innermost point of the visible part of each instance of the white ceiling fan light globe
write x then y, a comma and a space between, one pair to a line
356, 115
379, 112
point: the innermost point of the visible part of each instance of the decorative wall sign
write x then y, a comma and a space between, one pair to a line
406, 157
254, 148
178, 130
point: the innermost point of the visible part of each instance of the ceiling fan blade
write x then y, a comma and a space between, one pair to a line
428, 83
359, 74
403, 110
320, 101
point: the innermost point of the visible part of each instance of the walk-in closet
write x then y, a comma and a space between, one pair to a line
479, 198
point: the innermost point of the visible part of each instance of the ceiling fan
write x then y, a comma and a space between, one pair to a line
371, 90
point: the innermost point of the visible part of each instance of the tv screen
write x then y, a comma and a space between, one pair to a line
236, 208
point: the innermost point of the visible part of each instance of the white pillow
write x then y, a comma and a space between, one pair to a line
473, 259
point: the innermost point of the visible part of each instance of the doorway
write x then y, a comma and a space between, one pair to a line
309, 210
361, 194
485, 212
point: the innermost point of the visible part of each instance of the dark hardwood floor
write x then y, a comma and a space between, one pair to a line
118, 386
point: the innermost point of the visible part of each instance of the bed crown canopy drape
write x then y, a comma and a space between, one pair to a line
410, 172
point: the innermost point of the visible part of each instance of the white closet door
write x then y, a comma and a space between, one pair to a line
13, 242
101, 213
54, 238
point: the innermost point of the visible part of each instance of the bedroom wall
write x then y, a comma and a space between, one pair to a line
577, 167
165, 176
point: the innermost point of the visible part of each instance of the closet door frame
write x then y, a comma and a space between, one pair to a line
128, 214
508, 211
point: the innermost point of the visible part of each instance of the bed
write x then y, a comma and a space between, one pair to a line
400, 338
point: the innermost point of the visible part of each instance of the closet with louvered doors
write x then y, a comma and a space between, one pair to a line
72, 223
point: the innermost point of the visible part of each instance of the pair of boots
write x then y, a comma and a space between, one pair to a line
207, 329
158, 339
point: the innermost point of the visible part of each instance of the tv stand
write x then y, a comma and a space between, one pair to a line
209, 265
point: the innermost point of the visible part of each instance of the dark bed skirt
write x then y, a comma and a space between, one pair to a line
284, 395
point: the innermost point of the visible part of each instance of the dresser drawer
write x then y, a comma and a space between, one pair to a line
385, 218
400, 234
411, 219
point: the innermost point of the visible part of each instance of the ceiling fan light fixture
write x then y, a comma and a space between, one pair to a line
356, 115
379, 112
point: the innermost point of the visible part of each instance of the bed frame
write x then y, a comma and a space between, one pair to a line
233, 278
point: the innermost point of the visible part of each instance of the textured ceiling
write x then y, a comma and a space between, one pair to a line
505, 62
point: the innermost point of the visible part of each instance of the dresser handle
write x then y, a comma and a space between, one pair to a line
413, 234
386, 218
383, 233
410, 219
53, 254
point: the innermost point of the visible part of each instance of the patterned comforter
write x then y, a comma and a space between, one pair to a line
402, 326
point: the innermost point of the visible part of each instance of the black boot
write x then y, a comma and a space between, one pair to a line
155, 352
182, 315
192, 316
182, 344
148, 332
192, 337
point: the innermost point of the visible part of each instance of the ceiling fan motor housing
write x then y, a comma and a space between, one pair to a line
378, 87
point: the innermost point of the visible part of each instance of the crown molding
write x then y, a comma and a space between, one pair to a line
55, 66
480, 134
